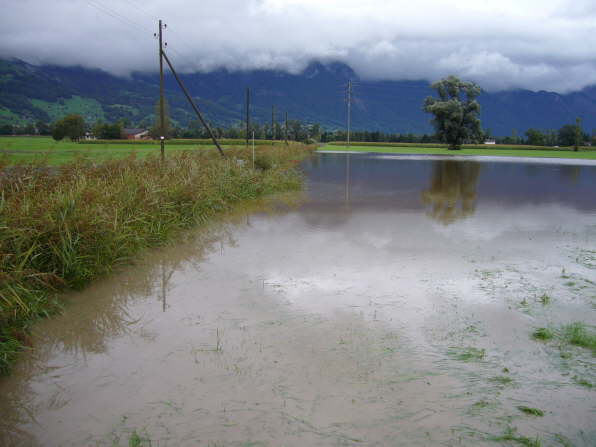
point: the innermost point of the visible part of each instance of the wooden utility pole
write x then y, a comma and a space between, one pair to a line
286, 128
193, 105
349, 108
273, 122
578, 133
162, 118
247, 114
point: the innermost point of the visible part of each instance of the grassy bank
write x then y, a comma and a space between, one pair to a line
45, 149
62, 227
492, 150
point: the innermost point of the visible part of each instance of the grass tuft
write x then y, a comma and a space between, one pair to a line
503, 380
510, 434
545, 299
468, 354
543, 334
577, 334
530, 410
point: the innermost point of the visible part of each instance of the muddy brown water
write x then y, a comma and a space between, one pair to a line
390, 304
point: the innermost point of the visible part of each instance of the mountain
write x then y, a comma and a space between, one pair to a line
318, 94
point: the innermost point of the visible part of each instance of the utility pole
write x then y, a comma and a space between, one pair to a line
286, 128
578, 133
273, 122
193, 105
163, 56
247, 114
349, 108
162, 118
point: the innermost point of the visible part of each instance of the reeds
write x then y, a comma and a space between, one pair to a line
61, 228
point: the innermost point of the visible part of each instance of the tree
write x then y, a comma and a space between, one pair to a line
42, 128
566, 135
72, 126
535, 137
6, 129
108, 131
456, 111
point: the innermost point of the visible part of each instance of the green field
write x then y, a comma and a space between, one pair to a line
507, 151
36, 149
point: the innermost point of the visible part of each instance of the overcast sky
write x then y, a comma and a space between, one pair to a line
501, 44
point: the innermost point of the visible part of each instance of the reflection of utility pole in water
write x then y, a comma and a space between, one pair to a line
164, 285
347, 180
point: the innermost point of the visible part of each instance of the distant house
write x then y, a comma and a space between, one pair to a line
490, 142
89, 136
135, 134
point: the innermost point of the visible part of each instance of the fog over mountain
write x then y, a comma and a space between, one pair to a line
531, 44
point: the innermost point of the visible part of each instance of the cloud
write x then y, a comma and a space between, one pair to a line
538, 45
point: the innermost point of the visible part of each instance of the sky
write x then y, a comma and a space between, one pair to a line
501, 44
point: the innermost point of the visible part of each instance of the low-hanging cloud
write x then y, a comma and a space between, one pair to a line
533, 44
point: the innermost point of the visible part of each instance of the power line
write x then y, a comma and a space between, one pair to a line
116, 15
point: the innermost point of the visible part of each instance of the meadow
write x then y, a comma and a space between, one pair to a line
61, 227
467, 149
45, 150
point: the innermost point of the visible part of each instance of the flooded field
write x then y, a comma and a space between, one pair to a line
398, 301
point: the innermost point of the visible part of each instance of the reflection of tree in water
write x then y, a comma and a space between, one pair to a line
452, 194
570, 173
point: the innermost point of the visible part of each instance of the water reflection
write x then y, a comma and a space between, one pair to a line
452, 194
291, 298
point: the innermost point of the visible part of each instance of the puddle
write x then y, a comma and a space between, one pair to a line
393, 305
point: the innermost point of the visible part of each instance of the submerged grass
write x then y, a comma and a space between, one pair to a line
468, 354
62, 227
512, 436
530, 410
543, 333
577, 334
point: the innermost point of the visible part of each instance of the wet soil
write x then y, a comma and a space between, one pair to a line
393, 303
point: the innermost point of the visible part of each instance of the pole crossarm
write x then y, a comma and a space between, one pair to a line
193, 105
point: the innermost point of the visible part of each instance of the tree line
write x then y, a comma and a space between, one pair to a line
74, 127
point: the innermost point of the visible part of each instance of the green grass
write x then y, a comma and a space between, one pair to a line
509, 151
468, 354
543, 333
46, 150
135, 440
61, 228
511, 435
531, 411
583, 382
577, 334
503, 380
545, 299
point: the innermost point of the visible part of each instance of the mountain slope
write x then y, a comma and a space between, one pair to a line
30, 92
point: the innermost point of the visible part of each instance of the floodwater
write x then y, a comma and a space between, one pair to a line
392, 304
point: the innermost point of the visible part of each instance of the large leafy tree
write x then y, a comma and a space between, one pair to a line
72, 126
566, 135
456, 111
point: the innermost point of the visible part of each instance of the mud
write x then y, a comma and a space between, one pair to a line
391, 304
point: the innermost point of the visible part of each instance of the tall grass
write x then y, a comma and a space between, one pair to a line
62, 227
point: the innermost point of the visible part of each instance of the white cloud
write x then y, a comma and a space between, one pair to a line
546, 44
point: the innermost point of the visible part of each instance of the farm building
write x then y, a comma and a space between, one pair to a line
135, 134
